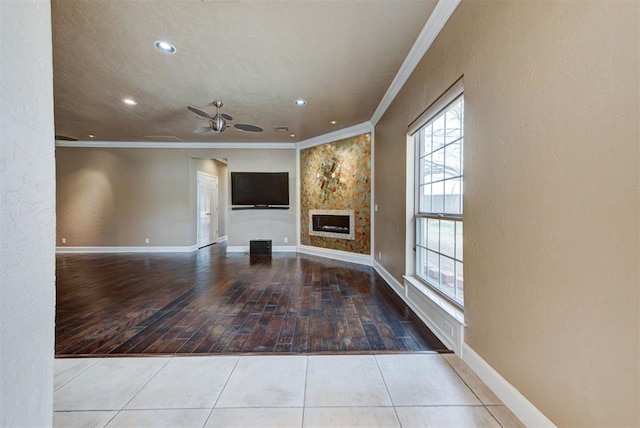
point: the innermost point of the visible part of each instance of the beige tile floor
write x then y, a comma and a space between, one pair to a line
408, 390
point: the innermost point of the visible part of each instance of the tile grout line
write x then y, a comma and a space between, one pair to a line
304, 392
79, 373
221, 391
138, 391
386, 387
468, 386
493, 416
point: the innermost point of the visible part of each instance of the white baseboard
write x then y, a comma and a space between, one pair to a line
345, 256
393, 283
275, 249
237, 248
285, 249
221, 239
528, 414
147, 249
450, 331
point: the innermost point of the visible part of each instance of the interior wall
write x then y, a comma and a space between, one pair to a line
245, 225
27, 212
121, 196
337, 176
551, 196
220, 170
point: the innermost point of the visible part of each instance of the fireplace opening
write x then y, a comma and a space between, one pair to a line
331, 223
337, 224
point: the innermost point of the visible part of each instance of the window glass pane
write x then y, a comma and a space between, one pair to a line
437, 197
459, 284
437, 165
452, 160
426, 141
447, 276
433, 268
454, 122
438, 132
421, 261
425, 198
459, 241
421, 237
433, 240
447, 238
426, 165
461, 195
461, 156
452, 196
439, 242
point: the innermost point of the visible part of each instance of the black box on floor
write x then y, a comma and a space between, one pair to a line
260, 246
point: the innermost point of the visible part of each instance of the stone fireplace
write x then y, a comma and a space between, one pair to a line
339, 224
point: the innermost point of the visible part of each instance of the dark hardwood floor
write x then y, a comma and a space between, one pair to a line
210, 302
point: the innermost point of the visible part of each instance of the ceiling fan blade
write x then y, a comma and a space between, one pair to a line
199, 112
226, 116
202, 130
247, 127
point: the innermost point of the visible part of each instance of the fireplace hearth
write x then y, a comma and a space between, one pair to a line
338, 224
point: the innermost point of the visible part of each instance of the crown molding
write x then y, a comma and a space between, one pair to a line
439, 17
340, 134
181, 145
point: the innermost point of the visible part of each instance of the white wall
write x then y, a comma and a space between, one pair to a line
27, 215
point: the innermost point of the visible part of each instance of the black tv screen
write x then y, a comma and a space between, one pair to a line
260, 188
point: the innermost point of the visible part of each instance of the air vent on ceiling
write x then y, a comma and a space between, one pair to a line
163, 138
281, 128
65, 138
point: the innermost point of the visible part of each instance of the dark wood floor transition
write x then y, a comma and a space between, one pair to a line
212, 302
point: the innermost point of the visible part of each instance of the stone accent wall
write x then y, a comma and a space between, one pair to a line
337, 176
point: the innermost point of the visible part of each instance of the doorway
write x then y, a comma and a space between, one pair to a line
207, 209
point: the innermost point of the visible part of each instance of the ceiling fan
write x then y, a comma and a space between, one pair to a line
218, 123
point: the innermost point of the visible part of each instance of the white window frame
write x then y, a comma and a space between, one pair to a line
432, 113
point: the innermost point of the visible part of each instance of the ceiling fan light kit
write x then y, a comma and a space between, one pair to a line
218, 123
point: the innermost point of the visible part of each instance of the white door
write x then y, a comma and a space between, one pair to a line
207, 209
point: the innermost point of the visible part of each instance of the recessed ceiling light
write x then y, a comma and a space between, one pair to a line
333, 122
129, 101
292, 135
165, 47
300, 102
92, 136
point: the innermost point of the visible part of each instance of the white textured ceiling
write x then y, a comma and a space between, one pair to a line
255, 56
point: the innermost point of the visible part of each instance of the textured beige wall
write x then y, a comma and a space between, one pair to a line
551, 196
119, 197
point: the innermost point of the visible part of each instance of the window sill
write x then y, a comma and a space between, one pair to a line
435, 298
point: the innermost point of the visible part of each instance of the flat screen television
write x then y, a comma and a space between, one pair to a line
259, 190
